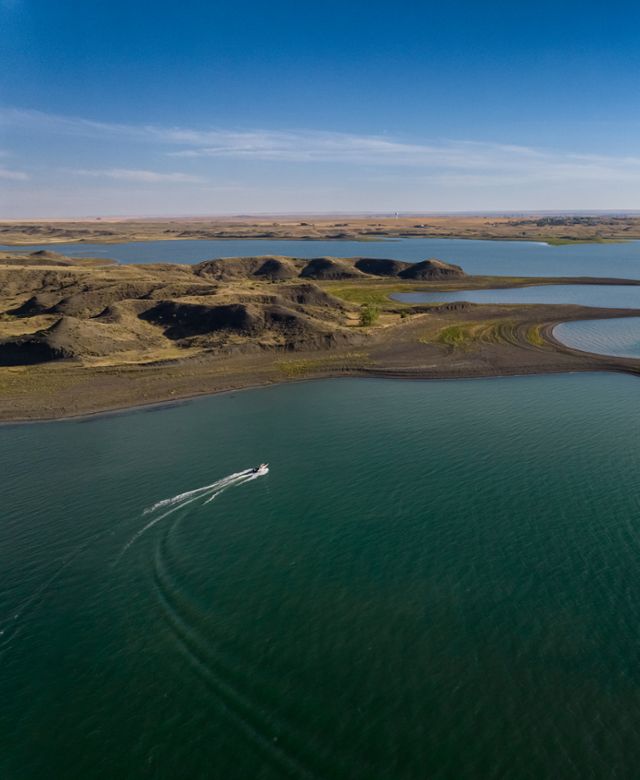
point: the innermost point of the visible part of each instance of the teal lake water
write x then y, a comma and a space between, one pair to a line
519, 258
435, 580
620, 337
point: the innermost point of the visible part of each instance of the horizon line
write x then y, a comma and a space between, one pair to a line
330, 214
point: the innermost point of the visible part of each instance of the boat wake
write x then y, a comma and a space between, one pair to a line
242, 691
181, 497
206, 494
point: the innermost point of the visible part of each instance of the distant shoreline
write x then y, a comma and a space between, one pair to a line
552, 230
357, 239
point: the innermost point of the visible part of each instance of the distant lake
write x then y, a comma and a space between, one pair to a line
435, 580
619, 337
511, 258
614, 296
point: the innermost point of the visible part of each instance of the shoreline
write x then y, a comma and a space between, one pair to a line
170, 403
599, 364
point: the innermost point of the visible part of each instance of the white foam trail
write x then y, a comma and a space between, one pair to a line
208, 492
248, 478
182, 496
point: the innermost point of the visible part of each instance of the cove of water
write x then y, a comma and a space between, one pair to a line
436, 579
608, 296
618, 337
511, 258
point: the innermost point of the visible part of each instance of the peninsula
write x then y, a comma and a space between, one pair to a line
86, 335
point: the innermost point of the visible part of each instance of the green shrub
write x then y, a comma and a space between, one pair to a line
369, 314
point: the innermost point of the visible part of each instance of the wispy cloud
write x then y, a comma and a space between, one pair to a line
450, 161
319, 146
446, 163
137, 175
9, 175
68, 125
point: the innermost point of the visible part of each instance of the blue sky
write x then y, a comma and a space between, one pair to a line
167, 108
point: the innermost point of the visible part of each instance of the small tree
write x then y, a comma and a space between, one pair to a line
369, 314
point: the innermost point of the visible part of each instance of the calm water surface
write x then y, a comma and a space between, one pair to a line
614, 296
620, 337
476, 257
435, 580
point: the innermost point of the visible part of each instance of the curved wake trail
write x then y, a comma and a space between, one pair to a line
206, 494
